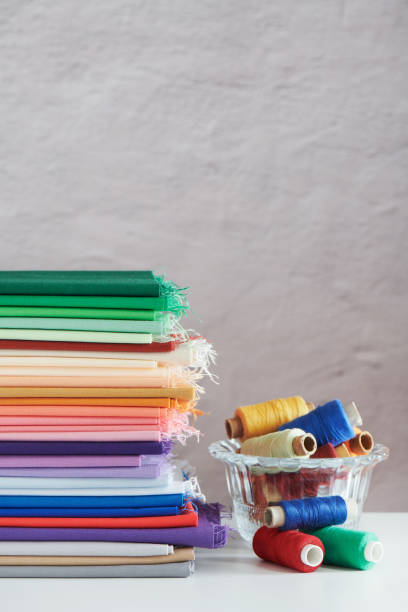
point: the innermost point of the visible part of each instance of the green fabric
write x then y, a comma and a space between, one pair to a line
345, 547
80, 313
91, 301
81, 282
107, 325
74, 336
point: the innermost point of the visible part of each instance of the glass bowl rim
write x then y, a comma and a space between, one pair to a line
224, 450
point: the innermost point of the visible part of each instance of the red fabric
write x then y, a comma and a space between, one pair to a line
38, 345
284, 547
188, 518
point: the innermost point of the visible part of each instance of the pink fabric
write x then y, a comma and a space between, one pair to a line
81, 436
60, 410
67, 428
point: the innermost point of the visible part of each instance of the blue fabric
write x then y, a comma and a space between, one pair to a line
120, 501
91, 512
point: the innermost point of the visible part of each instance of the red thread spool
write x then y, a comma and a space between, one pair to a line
291, 548
325, 452
293, 485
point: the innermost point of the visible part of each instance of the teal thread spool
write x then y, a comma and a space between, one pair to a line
349, 548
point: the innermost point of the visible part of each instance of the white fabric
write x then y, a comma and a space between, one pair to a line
68, 359
32, 483
194, 353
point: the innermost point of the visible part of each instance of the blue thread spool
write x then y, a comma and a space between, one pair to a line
328, 423
310, 513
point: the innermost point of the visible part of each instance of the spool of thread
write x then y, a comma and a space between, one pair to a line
327, 451
343, 451
290, 443
362, 443
260, 419
348, 548
309, 513
300, 551
263, 491
328, 424
297, 485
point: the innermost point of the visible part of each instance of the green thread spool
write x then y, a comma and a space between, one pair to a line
348, 548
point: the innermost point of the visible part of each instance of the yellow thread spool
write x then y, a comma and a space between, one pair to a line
289, 443
343, 451
266, 417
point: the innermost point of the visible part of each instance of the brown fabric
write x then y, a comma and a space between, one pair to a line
179, 555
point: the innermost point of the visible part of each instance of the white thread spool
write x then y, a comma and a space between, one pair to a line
289, 443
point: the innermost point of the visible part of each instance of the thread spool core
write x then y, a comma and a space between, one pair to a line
274, 516
304, 445
353, 415
366, 441
373, 551
234, 428
311, 555
363, 442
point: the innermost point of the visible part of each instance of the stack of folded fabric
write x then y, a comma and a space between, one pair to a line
97, 382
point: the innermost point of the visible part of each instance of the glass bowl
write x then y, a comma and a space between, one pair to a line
253, 482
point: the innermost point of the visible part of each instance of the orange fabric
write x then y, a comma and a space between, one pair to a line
163, 402
82, 411
188, 518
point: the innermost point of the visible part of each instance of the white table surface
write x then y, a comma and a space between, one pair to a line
234, 579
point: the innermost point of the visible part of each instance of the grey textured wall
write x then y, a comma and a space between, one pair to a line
256, 151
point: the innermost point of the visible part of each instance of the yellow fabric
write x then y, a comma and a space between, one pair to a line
185, 393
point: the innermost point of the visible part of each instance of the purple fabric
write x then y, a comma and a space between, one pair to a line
208, 534
83, 448
61, 461
153, 459
149, 471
